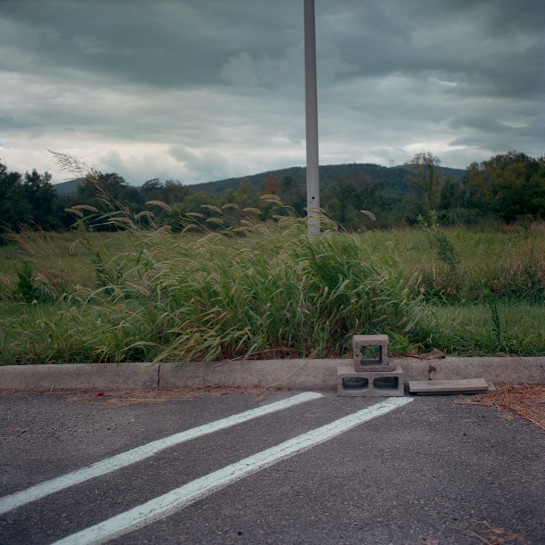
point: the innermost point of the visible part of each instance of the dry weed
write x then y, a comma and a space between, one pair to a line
526, 401
500, 536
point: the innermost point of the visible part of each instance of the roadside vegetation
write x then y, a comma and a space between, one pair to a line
183, 279
256, 290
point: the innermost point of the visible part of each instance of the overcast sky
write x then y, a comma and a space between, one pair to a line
199, 90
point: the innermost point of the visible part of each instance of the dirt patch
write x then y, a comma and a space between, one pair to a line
120, 398
526, 401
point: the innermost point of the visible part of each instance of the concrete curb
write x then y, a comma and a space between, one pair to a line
297, 374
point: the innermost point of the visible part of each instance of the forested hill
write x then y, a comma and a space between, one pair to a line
508, 187
394, 178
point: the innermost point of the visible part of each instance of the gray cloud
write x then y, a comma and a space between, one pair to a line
200, 90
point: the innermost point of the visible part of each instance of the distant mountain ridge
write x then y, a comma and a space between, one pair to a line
395, 178
68, 188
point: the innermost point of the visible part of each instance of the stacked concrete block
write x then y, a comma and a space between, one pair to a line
371, 374
371, 353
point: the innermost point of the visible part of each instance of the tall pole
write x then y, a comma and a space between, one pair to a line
311, 110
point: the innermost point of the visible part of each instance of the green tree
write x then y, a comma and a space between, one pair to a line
425, 179
293, 194
170, 192
111, 195
352, 201
107, 192
28, 202
452, 206
508, 186
12, 204
518, 186
43, 203
152, 190
175, 191
246, 195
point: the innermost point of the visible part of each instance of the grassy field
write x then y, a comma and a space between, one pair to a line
268, 291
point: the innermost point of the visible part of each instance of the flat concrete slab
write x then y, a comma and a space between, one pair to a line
460, 386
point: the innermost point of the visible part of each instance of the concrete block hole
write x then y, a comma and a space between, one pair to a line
386, 383
355, 383
371, 355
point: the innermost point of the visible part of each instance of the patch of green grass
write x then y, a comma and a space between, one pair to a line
252, 290
458, 266
484, 329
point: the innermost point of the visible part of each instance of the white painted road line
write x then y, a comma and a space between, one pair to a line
167, 504
17, 499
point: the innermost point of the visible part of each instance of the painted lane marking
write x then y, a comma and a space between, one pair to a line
167, 504
17, 499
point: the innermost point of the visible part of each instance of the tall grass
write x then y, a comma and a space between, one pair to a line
482, 329
220, 295
460, 266
250, 290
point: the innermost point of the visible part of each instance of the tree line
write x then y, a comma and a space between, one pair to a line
507, 188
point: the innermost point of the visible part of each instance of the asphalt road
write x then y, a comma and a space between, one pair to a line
433, 471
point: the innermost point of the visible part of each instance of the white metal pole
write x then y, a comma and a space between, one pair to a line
311, 109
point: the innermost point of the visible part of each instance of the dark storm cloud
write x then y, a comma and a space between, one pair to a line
201, 89
496, 42
160, 43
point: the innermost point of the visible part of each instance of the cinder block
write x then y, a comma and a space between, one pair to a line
370, 383
371, 353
